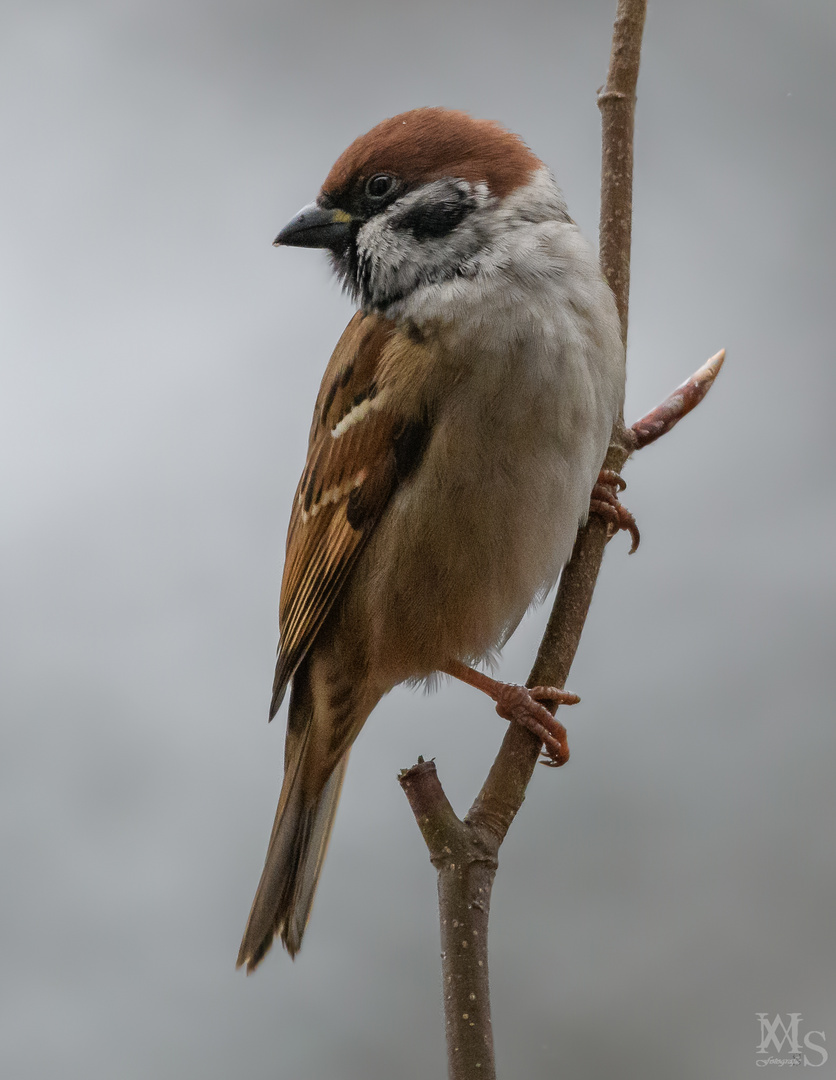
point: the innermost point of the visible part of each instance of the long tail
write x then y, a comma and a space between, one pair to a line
295, 854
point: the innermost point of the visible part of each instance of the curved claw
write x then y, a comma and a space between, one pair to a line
519, 705
604, 502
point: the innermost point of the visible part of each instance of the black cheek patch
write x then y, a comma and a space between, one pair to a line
425, 220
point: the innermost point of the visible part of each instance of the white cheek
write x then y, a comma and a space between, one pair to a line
385, 246
393, 263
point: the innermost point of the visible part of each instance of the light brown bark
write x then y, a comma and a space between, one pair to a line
465, 852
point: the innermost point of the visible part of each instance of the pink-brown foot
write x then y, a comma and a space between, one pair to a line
519, 705
604, 502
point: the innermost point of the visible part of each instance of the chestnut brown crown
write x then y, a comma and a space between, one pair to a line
432, 143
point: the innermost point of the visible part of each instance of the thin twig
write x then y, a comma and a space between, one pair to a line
617, 102
686, 397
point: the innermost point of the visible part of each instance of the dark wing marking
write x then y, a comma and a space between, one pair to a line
347, 482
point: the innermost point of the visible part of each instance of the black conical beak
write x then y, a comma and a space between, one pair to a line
315, 227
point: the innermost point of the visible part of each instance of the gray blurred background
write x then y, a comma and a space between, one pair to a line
160, 361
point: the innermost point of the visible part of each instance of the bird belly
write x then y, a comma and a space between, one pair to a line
483, 527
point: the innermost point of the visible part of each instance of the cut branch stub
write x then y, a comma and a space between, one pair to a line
464, 857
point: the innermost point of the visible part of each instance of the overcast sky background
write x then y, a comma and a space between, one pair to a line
160, 361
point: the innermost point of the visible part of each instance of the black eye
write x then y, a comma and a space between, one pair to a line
378, 187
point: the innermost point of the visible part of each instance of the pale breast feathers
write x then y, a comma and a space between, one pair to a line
361, 446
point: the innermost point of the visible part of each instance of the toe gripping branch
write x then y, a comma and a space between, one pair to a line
532, 708
657, 422
529, 707
604, 502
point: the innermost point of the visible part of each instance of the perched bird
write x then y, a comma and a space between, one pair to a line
457, 436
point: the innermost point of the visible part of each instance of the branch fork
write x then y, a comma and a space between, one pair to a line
465, 852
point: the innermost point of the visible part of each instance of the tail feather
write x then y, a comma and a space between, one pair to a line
284, 897
324, 716
317, 835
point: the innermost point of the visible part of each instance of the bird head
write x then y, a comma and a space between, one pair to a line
423, 198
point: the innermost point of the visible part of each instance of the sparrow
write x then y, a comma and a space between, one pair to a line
458, 432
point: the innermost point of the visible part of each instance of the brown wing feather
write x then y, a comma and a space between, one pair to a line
347, 482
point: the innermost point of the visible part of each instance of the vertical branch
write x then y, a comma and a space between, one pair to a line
464, 853
617, 102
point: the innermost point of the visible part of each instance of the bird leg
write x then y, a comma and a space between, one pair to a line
523, 705
604, 502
